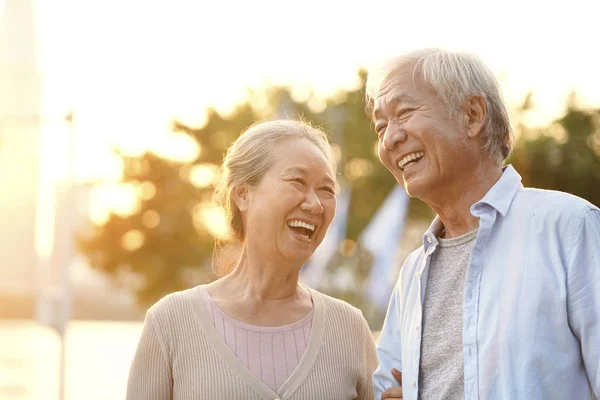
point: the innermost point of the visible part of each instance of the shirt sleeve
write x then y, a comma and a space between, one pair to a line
583, 288
150, 375
388, 347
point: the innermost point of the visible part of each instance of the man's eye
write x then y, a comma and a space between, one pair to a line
403, 112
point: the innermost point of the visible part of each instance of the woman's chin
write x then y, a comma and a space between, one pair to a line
297, 258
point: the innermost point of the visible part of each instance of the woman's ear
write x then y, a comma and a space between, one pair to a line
241, 196
476, 112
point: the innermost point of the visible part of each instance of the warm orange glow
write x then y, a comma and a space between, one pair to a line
178, 147
118, 198
317, 105
151, 219
129, 100
358, 168
204, 175
133, 240
146, 190
212, 218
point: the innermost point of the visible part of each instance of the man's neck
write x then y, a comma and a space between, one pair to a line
454, 205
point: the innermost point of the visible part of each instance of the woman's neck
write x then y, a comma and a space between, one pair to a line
262, 293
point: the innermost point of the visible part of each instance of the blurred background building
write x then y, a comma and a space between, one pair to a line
20, 115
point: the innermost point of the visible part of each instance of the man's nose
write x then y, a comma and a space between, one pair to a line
393, 135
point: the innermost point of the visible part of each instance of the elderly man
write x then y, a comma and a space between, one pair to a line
502, 301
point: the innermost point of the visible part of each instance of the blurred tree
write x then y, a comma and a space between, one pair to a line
167, 244
564, 156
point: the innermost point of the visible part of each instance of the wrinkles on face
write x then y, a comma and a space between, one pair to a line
299, 186
411, 119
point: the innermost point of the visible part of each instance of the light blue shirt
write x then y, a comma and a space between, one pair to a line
531, 312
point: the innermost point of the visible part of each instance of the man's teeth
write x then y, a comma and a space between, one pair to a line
300, 224
411, 157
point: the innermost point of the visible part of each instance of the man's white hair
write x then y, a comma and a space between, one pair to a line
456, 77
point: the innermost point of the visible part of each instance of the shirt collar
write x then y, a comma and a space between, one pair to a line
432, 233
499, 197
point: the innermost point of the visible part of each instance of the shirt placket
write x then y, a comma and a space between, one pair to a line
471, 308
420, 277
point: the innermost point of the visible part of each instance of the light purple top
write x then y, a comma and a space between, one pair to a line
270, 353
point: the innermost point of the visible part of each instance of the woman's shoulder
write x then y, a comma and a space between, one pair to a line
337, 309
176, 303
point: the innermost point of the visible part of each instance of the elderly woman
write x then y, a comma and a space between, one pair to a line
257, 333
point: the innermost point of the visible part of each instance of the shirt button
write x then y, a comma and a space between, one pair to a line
428, 239
417, 328
413, 383
418, 274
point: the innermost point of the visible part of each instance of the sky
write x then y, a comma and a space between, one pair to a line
128, 68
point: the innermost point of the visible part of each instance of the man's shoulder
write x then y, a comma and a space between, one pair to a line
412, 260
551, 203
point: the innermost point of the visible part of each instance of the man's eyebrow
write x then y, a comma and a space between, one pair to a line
396, 99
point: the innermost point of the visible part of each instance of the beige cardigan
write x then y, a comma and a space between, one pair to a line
181, 356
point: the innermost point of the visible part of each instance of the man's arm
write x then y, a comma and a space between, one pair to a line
583, 288
388, 347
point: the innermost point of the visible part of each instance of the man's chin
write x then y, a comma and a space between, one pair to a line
412, 185
413, 188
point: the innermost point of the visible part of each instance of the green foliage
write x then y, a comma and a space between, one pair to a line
564, 156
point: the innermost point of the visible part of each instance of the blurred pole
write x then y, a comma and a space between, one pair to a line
65, 268
336, 116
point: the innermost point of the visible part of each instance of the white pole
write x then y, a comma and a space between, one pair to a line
62, 376
65, 275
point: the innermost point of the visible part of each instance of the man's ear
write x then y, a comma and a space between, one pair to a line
241, 195
476, 112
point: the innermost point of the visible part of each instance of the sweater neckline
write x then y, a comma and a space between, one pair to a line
296, 377
208, 299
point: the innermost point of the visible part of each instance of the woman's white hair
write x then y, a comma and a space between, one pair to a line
456, 77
